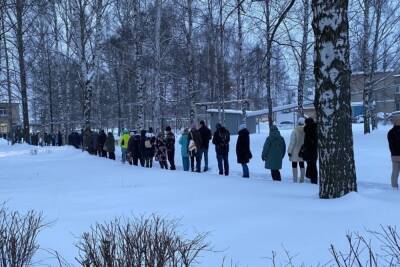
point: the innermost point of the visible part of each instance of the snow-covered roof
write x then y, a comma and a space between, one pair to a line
354, 104
253, 113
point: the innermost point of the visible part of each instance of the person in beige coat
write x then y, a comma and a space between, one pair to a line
294, 150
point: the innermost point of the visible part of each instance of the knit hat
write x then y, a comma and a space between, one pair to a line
396, 120
242, 126
218, 126
300, 121
168, 128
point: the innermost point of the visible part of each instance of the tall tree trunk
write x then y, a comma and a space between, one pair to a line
374, 59
303, 59
221, 67
332, 75
21, 62
157, 79
366, 68
268, 62
241, 87
50, 89
138, 60
8, 77
189, 47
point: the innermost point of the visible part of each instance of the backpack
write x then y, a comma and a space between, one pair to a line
224, 138
147, 143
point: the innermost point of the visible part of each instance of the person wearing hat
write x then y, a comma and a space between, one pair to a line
243, 152
194, 147
170, 144
205, 141
394, 146
221, 141
310, 151
273, 152
184, 142
295, 150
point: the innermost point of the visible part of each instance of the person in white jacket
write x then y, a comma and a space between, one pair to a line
294, 150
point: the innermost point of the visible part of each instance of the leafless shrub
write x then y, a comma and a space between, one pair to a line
149, 242
18, 234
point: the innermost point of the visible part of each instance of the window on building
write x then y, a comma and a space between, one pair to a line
397, 106
398, 89
3, 112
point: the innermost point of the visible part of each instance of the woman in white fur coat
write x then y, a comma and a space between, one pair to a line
294, 149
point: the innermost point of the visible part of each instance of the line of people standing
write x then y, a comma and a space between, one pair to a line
143, 147
302, 148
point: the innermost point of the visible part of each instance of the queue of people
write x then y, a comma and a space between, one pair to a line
142, 148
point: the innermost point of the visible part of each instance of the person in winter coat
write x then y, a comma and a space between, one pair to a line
221, 141
149, 148
142, 147
59, 139
170, 144
124, 144
184, 142
295, 150
95, 144
87, 140
243, 152
273, 152
161, 151
310, 150
394, 146
194, 147
109, 146
206, 136
101, 139
134, 148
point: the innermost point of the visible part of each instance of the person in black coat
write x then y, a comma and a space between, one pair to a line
221, 141
134, 148
195, 143
310, 149
170, 144
142, 148
394, 146
59, 139
243, 152
206, 135
101, 140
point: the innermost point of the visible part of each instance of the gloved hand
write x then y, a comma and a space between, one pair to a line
290, 155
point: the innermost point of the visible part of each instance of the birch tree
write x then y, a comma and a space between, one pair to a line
332, 75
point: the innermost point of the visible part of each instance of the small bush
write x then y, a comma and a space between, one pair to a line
150, 242
18, 233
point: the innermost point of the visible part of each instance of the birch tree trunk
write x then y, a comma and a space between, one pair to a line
374, 59
189, 47
8, 76
19, 6
332, 75
303, 58
138, 60
268, 59
241, 83
366, 68
157, 78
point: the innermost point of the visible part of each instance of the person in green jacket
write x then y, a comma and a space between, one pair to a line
273, 152
124, 144
184, 142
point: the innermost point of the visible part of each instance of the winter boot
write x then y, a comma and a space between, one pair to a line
302, 173
295, 175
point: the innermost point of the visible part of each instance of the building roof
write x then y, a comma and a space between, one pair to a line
261, 112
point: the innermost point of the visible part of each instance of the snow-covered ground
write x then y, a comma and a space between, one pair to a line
246, 218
